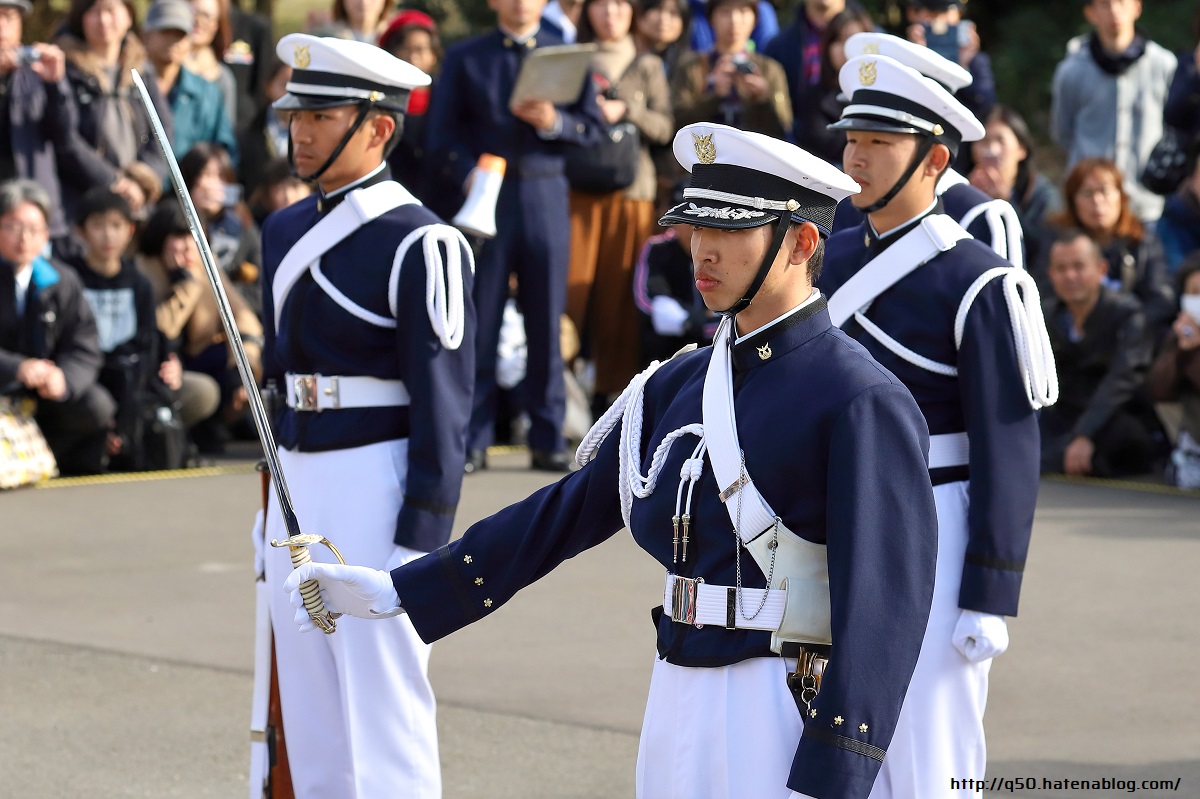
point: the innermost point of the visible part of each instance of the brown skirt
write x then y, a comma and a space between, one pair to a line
607, 232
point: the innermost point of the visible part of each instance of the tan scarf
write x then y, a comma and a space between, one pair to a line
613, 58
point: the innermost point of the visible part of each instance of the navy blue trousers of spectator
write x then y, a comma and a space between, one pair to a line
533, 242
77, 429
1127, 444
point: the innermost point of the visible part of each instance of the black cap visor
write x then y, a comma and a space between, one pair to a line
875, 124
312, 102
717, 214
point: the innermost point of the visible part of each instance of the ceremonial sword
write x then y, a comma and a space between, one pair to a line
297, 542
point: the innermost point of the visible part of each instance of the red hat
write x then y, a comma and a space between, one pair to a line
407, 19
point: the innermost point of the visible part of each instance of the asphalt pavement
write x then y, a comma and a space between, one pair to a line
126, 626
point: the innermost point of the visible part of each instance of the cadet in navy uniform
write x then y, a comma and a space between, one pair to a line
469, 115
779, 478
373, 438
992, 221
938, 309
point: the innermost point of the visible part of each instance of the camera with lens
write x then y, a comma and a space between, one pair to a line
27, 54
744, 65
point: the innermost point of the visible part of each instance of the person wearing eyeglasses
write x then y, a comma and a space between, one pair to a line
49, 345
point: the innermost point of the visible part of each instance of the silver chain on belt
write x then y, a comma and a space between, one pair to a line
737, 553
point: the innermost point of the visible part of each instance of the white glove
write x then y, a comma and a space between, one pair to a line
667, 316
257, 538
352, 590
401, 555
512, 351
979, 636
797, 795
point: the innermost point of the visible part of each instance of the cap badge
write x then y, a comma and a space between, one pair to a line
866, 73
870, 49
764, 352
302, 57
706, 151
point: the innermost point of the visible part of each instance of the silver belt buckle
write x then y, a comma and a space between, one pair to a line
304, 388
683, 600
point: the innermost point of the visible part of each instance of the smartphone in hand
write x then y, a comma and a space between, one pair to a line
943, 40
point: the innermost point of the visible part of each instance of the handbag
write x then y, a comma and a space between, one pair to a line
25, 457
1167, 165
162, 443
611, 165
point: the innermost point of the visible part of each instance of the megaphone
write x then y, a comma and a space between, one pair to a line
478, 214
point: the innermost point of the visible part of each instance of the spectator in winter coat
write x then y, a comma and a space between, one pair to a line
1108, 97
1102, 423
1096, 202
118, 149
197, 105
37, 112
48, 341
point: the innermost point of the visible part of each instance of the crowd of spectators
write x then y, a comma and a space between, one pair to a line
106, 315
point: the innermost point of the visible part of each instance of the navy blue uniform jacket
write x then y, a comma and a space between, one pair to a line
469, 115
318, 336
986, 399
835, 444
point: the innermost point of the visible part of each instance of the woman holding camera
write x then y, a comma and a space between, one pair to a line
609, 222
116, 147
731, 85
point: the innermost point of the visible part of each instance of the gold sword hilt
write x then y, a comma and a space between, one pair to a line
310, 591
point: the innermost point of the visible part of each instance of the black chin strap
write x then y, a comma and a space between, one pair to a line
923, 148
363, 109
781, 229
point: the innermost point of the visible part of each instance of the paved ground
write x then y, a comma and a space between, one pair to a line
125, 640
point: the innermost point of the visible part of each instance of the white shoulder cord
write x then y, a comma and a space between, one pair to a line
689, 473
1034, 355
629, 410
898, 349
604, 425
1007, 236
444, 293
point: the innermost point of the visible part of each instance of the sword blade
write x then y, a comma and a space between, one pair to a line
257, 409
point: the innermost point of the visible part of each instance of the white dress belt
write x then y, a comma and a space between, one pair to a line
697, 602
331, 392
949, 449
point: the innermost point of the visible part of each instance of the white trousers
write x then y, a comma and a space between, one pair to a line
718, 733
358, 711
940, 734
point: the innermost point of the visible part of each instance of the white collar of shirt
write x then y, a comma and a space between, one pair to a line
23, 278
355, 184
520, 39
903, 225
555, 14
811, 299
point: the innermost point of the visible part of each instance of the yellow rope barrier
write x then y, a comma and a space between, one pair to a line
140, 477
1129, 485
203, 471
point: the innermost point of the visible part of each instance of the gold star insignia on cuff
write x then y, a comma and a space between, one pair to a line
862, 727
838, 720
487, 603
467, 559
478, 581
812, 714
